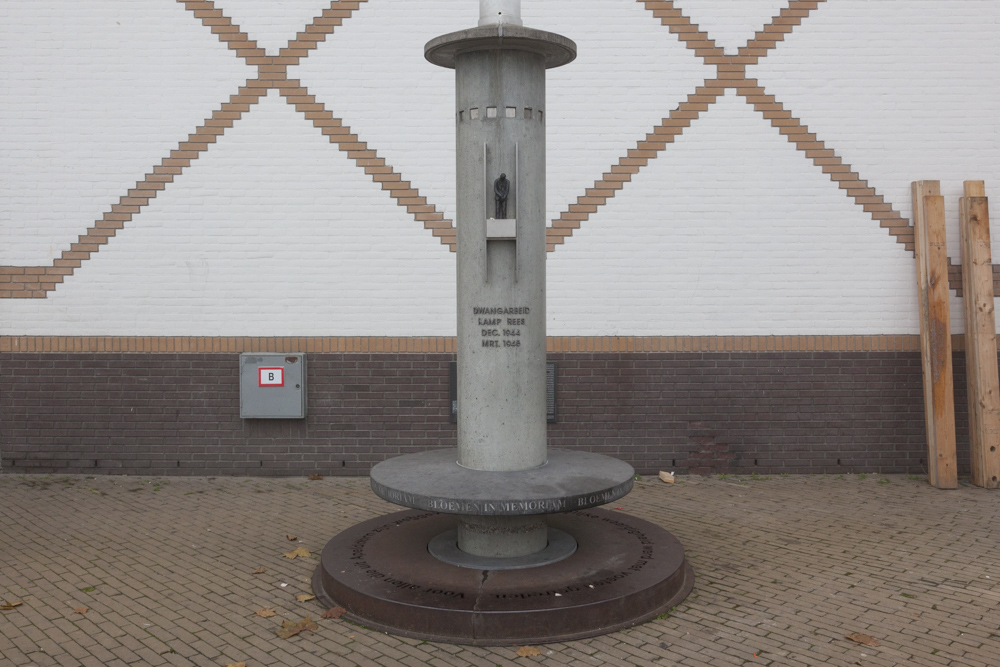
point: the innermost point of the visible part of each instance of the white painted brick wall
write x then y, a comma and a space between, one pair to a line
93, 95
731, 24
272, 23
705, 244
630, 72
911, 92
392, 98
299, 243
273, 231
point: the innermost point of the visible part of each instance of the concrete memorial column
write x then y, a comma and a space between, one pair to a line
487, 542
501, 267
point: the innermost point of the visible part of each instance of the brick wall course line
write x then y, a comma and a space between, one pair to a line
172, 345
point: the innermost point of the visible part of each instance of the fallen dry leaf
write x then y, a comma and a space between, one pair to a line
291, 538
528, 651
333, 612
81, 610
305, 597
301, 552
265, 613
7, 606
259, 570
236, 664
860, 638
291, 628
315, 477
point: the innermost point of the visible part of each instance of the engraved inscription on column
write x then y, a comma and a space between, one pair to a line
500, 326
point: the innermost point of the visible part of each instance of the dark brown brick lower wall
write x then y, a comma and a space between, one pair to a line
178, 414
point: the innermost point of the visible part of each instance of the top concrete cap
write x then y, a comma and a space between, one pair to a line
558, 50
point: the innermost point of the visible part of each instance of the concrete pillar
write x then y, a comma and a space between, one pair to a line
499, 11
501, 282
500, 115
500, 96
502, 536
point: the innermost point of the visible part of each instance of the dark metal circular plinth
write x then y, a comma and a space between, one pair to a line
569, 480
556, 49
625, 571
444, 547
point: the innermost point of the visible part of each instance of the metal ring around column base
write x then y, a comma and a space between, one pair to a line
444, 547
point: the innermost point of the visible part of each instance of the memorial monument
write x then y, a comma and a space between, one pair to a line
502, 545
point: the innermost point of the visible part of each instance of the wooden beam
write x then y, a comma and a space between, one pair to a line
974, 188
980, 336
935, 333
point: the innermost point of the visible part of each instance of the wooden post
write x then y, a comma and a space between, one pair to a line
935, 333
980, 336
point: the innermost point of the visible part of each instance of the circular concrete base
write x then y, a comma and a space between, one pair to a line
625, 571
569, 480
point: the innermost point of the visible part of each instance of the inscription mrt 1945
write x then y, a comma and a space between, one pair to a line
500, 326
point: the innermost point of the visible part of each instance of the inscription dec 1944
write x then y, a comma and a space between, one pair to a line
500, 326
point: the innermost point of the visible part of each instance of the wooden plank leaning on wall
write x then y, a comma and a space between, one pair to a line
980, 336
935, 333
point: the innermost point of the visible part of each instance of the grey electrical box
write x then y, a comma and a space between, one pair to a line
272, 386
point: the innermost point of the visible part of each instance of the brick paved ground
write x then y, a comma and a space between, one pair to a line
785, 567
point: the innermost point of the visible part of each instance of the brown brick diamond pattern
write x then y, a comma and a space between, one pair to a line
272, 73
731, 74
34, 282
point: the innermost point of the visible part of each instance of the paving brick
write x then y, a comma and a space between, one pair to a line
15, 657
786, 565
91, 661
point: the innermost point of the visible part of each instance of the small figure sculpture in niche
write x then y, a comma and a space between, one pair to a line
501, 188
